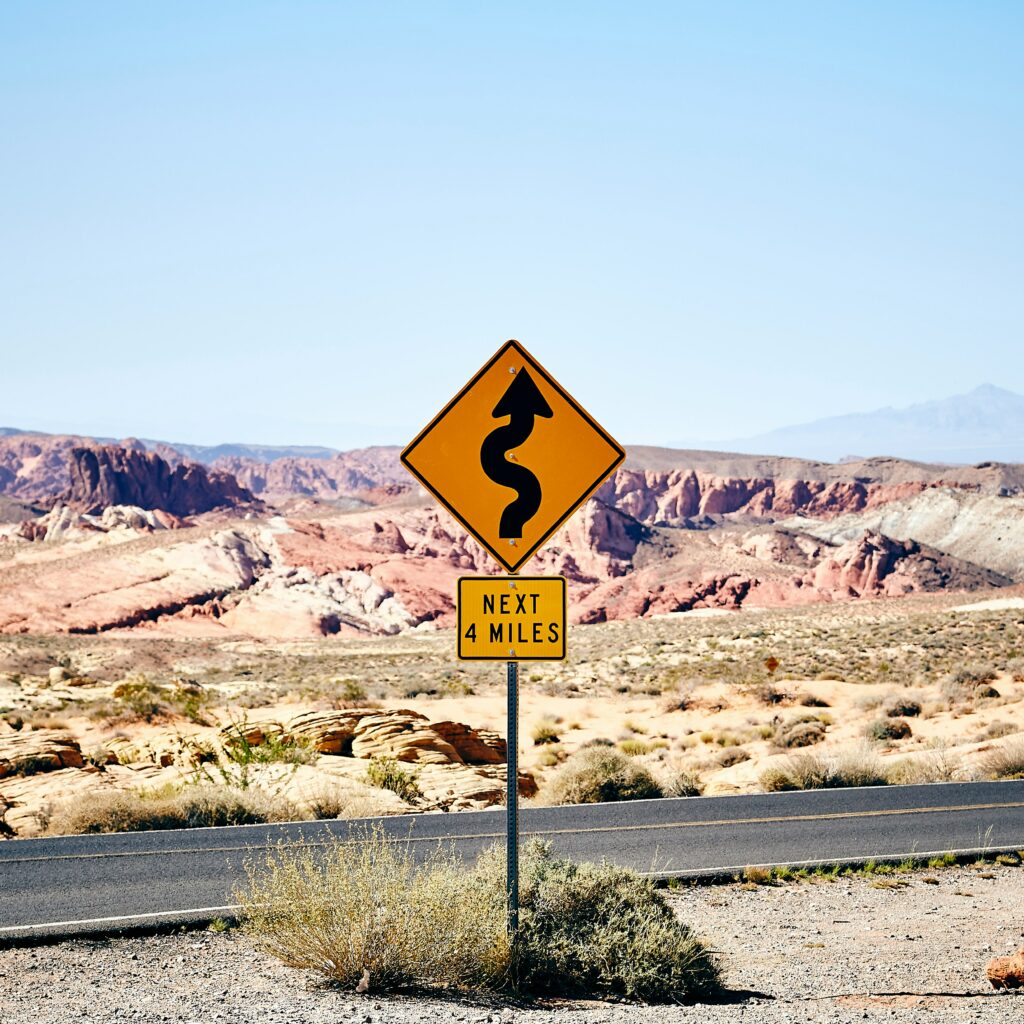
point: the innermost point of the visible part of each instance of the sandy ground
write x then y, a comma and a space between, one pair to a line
843, 952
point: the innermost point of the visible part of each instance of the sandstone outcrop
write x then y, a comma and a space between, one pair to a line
124, 589
368, 732
34, 751
106, 475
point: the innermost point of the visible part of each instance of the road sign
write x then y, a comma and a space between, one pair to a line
512, 456
511, 619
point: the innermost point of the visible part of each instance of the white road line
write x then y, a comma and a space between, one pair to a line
111, 920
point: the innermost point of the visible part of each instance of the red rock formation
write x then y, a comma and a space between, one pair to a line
1006, 971
107, 475
676, 497
372, 474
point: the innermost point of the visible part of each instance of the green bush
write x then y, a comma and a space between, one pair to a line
597, 929
386, 773
191, 807
597, 775
275, 749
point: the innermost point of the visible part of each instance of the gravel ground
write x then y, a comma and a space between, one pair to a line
846, 951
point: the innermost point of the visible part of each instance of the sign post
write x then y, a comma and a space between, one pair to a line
512, 456
512, 800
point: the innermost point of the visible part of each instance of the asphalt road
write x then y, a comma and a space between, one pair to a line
76, 884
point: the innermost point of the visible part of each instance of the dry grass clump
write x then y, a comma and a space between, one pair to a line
368, 906
546, 731
996, 730
191, 807
335, 801
1006, 762
367, 912
638, 748
861, 766
598, 775
857, 767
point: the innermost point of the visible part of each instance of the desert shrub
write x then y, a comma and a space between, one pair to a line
551, 756
969, 682
996, 730
810, 700
857, 767
190, 807
350, 691
597, 929
597, 775
888, 729
335, 801
732, 755
369, 906
387, 773
768, 693
801, 731
1006, 762
189, 699
973, 675
757, 875
681, 782
274, 749
941, 764
139, 699
902, 707
546, 731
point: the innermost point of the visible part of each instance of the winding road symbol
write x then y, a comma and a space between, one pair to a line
512, 456
522, 403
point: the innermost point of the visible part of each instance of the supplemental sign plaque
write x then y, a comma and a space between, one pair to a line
517, 619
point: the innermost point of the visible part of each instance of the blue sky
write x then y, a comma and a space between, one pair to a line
312, 222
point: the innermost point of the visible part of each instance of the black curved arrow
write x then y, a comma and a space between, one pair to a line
521, 402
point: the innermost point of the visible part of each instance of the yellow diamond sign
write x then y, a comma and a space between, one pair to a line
512, 456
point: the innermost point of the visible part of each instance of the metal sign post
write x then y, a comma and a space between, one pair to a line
512, 801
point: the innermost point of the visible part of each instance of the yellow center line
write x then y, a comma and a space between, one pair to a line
659, 826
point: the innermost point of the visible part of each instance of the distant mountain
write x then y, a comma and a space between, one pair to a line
10, 431
984, 424
261, 453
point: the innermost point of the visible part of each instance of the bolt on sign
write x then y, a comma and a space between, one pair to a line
519, 618
512, 456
